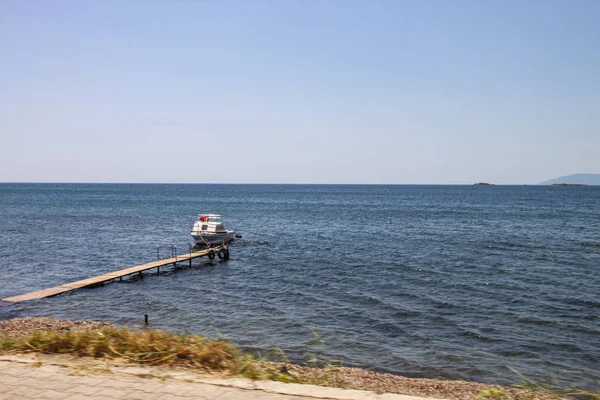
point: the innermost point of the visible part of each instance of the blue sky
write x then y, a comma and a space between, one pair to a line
299, 91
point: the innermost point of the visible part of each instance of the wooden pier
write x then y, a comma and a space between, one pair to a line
222, 252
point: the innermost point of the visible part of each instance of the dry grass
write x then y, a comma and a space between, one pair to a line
156, 348
150, 347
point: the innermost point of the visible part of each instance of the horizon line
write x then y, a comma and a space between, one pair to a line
269, 183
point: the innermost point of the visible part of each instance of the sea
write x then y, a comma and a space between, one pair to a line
487, 284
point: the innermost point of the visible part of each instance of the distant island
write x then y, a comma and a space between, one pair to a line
569, 184
483, 184
575, 179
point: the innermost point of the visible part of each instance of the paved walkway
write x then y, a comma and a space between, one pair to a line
55, 377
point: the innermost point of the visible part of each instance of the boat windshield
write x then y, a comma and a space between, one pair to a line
214, 218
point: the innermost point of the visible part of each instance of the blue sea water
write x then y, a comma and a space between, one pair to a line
457, 282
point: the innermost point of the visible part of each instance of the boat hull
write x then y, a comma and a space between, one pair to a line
202, 239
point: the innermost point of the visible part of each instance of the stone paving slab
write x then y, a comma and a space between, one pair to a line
56, 377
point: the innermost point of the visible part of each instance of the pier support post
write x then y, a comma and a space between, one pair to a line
190, 259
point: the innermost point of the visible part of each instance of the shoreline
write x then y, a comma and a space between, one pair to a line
328, 376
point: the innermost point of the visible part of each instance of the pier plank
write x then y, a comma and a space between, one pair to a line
96, 280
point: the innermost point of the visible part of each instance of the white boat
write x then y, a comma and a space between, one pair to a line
208, 230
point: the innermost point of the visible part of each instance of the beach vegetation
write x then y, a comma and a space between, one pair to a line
147, 346
160, 348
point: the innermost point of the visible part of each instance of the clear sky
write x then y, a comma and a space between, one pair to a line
291, 91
